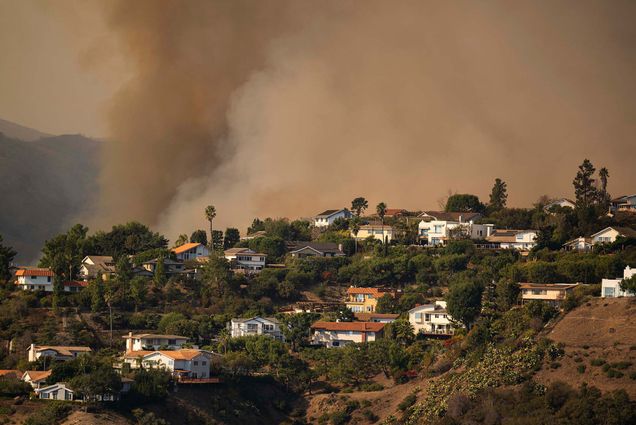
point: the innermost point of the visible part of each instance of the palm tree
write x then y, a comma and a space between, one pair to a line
358, 205
381, 210
355, 228
210, 214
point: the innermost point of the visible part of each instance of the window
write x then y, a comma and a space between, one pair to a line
48, 279
45, 395
172, 342
252, 327
608, 292
203, 363
68, 395
34, 277
268, 328
196, 363
428, 317
335, 344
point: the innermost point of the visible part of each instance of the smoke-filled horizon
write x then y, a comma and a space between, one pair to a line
287, 108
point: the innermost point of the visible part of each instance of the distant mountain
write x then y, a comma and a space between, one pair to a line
44, 186
17, 131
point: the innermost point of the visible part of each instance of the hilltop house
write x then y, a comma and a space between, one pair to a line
561, 202
140, 342
93, 265
521, 240
191, 251
244, 260
58, 391
552, 293
432, 319
364, 300
611, 288
625, 203
35, 279
338, 334
170, 266
610, 234
581, 244
36, 378
438, 227
381, 232
315, 249
268, 326
326, 218
56, 352
183, 363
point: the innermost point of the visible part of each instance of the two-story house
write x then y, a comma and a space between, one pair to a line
252, 326
382, 232
148, 342
551, 293
315, 249
93, 265
56, 352
610, 234
326, 218
364, 300
625, 203
611, 288
183, 363
35, 279
521, 240
191, 251
438, 227
36, 378
432, 319
581, 244
339, 334
245, 260
170, 266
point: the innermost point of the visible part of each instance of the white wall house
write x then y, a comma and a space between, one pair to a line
326, 218
92, 265
190, 363
561, 202
56, 352
245, 260
339, 334
57, 391
377, 231
551, 293
439, 232
625, 203
431, 319
191, 251
611, 288
253, 326
522, 240
581, 244
37, 378
315, 249
141, 342
35, 279
610, 234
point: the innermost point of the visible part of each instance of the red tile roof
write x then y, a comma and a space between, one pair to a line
185, 247
34, 271
349, 326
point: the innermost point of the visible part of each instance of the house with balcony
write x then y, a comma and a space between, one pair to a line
182, 363
364, 300
381, 232
611, 288
55, 352
432, 319
315, 249
326, 218
438, 227
253, 326
626, 203
35, 279
610, 234
191, 251
245, 260
551, 293
339, 334
148, 342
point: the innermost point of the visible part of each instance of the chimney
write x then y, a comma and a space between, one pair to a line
460, 219
129, 342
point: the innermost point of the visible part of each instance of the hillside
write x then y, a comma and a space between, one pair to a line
44, 185
17, 131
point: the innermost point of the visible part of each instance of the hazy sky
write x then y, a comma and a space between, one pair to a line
289, 107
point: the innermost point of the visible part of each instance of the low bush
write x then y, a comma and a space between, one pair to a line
370, 416
408, 401
51, 414
597, 362
340, 418
581, 368
555, 365
613, 373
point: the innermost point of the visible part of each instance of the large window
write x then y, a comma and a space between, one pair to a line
608, 292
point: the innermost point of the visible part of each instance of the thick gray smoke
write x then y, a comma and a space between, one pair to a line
287, 107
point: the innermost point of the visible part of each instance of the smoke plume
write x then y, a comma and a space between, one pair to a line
273, 108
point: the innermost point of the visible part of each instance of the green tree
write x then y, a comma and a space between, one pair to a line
7, 254
63, 253
604, 197
583, 183
401, 331
125, 239
97, 289
160, 273
210, 215
257, 226
381, 210
386, 304
629, 285
199, 236
124, 270
355, 229
181, 240
358, 205
138, 291
217, 276
217, 240
296, 328
232, 237
152, 384
507, 293
464, 203
464, 301
498, 195
98, 382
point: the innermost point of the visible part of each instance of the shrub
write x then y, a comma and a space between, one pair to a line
370, 416
408, 401
597, 362
621, 365
340, 418
581, 368
613, 373
372, 386
51, 414
606, 367
632, 375
578, 359
555, 365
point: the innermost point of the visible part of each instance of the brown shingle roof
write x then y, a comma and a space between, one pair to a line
186, 354
34, 271
63, 350
349, 326
38, 375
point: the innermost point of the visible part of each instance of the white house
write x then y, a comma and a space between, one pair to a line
326, 218
431, 319
433, 231
551, 293
140, 342
625, 203
58, 391
184, 363
36, 378
35, 279
522, 240
339, 334
93, 265
611, 288
56, 352
315, 249
169, 266
579, 244
610, 234
381, 232
256, 326
191, 251
245, 260
561, 202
